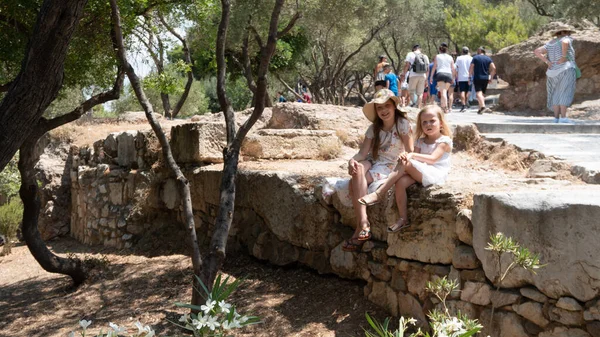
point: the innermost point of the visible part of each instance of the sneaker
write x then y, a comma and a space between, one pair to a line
564, 120
556, 120
487, 110
480, 111
463, 109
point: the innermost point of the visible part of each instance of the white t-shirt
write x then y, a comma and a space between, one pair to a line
444, 63
410, 57
463, 63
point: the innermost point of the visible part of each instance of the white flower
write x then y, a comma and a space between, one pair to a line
117, 329
184, 318
242, 319
200, 322
231, 325
211, 322
225, 307
210, 304
84, 324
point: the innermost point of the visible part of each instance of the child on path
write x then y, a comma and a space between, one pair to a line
391, 80
385, 140
429, 164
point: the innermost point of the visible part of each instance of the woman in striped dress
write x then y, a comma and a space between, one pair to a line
559, 56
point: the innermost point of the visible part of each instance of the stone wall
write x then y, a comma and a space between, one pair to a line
288, 218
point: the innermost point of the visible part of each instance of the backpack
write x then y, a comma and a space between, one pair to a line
420, 64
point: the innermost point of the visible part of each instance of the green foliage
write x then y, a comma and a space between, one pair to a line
521, 256
477, 23
237, 91
10, 178
10, 218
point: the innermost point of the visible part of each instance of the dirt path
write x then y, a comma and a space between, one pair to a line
140, 286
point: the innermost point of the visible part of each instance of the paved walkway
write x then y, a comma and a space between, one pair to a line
576, 143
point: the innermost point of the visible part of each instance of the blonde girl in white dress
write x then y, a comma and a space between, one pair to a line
429, 164
385, 140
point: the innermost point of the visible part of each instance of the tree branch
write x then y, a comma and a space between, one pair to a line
539, 9
289, 26
256, 36
290, 88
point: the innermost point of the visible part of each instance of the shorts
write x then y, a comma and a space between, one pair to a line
380, 83
480, 85
444, 77
463, 86
417, 84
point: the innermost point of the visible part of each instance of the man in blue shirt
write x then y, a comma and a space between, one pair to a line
391, 80
481, 72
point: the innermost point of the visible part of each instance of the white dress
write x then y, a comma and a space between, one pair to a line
433, 173
390, 147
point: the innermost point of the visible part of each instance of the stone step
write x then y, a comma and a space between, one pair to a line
575, 127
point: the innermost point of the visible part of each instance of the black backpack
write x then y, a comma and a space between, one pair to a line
420, 65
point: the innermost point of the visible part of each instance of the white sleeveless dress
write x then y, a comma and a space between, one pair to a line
433, 173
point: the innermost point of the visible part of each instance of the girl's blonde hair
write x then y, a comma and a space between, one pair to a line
444, 128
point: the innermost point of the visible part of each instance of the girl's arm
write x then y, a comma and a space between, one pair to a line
541, 54
454, 72
433, 157
362, 154
408, 142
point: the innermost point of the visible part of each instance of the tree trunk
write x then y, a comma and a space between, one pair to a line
182, 182
31, 210
218, 244
41, 74
166, 104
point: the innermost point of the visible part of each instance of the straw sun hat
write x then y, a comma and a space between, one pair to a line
557, 27
380, 97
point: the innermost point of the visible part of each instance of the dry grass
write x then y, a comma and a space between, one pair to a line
329, 151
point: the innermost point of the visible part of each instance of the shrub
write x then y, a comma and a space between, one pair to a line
10, 219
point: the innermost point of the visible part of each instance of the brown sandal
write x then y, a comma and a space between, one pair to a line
351, 245
396, 228
374, 198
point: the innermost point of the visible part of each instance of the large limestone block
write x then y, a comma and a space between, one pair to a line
561, 226
505, 324
198, 142
564, 332
348, 122
292, 144
126, 151
518, 66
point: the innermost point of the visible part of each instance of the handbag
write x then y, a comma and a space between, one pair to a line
577, 70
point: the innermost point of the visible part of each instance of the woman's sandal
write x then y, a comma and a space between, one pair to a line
352, 245
364, 234
370, 199
396, 227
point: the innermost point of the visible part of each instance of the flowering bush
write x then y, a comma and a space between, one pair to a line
216, 317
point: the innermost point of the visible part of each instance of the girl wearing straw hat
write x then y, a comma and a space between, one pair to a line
559, 56
385, 140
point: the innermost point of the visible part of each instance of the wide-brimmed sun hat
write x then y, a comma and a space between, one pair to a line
557, 27
381, 96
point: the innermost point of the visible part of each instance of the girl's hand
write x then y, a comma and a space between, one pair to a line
352, 166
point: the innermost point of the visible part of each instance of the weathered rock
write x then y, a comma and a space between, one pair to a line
454, 275
410, 307
536, 221
569, 303
292, 144
397, 283
195, 143
380, 271
526, 74
593, 328
268, 247
385, 297
533, 294
533, 312
476, 293
349, 123
343, 263
475, 275
502, 298
592, 311
416, 281
505, 324
566, 317
464, 308
126, 151
464, 227
564, 332
464, 258
137, 116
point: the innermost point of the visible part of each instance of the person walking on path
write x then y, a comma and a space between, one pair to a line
559, 56
482, 72
417, 62
378, 73
391, 80
463, 64
443, 64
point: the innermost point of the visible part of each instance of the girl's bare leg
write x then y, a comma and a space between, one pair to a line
374, 197
358, 186
412, 176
